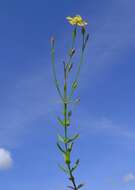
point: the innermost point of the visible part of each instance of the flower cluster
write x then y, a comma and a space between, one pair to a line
76, 20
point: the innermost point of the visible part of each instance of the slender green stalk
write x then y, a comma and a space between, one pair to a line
65, 142
72, 50
77, 74
84, 42
72, 178
54, 72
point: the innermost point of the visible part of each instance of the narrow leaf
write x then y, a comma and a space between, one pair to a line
63, 123
60, 148
61, 139
75, 166
60, 121
63, 169
70, 187
70, 146
74, 138
70, 67
69, 113
74, 85
79, 186
87, 38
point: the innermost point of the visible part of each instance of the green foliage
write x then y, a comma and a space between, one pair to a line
66, 140
63, 139
74, 85
73, 138
70, 146
69, 113
81, 185
60, 148
70, 67
64, 123
76, 165
63, 169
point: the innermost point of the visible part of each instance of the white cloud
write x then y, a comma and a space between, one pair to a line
5, 159
129, 177
106, 126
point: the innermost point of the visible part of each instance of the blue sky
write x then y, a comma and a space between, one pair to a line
29, 103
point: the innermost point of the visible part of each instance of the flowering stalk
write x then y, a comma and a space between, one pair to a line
65, 143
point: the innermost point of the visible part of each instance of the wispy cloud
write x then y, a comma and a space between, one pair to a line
5, 159
105, 126
129, 178
30, 97
111, 37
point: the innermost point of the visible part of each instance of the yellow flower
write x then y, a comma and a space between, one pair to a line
77, 20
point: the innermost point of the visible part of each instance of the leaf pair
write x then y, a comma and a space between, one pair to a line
63, 122
66, 154
67, 140
62, 139
78, 187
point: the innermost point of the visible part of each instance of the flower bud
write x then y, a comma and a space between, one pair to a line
77, 100
52, 41
72, 52
70, 67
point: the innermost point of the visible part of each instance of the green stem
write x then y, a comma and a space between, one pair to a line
77, 74
72, 46
72, 177
81, 59
65, 128
54, 74
79, 66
